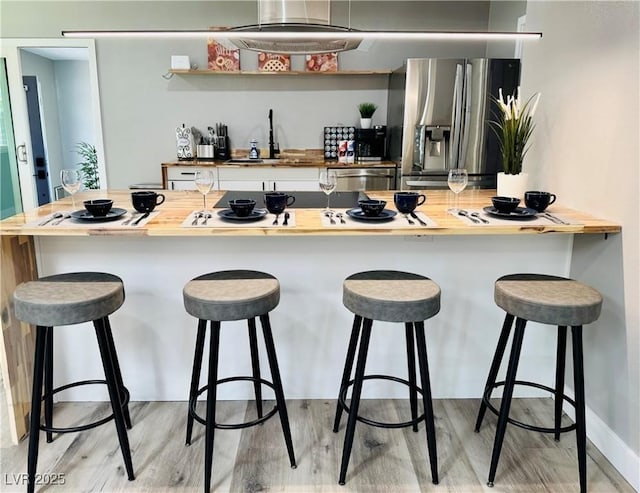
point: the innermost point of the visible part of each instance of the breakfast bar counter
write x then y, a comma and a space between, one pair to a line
310, 257
180, 204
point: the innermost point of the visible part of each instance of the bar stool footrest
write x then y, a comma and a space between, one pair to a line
343, 396
74, 429
232, 426
520, 424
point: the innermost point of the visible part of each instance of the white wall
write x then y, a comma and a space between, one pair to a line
586, 150
74, 102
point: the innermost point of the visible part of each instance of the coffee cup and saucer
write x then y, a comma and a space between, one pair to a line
371, 210
242, 210
98, 210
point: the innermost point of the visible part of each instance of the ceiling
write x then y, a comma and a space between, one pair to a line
60, 53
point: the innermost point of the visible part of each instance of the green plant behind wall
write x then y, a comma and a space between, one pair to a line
89, 165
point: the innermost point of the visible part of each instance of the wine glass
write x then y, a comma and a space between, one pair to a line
457, 181
204, 182
328, 181
71, 181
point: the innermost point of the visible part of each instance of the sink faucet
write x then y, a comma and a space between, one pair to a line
272, 145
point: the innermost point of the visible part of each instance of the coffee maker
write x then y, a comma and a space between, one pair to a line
371, 143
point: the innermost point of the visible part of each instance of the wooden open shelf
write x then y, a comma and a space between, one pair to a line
289, 73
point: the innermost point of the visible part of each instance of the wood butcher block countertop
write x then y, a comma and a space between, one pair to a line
292, 162
179, 204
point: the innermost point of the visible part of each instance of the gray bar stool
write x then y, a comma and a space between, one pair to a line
548, 300
68, 299
226, 296
388, 296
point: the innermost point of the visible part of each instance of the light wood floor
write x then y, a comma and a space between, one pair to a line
255, 459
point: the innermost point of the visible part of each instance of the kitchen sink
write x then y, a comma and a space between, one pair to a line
252, 161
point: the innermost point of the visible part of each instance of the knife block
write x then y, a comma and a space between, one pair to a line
223, 151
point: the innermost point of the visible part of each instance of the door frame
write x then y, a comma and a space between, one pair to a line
10, 51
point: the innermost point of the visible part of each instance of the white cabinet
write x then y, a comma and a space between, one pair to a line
255, 178
181, 177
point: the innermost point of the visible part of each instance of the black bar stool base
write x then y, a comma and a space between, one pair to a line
233, 426
520, 424
88, 426
343, 396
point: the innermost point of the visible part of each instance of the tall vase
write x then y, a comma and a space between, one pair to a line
512, 185
365, 122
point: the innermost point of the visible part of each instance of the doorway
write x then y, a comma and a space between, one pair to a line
41, 169
67, 79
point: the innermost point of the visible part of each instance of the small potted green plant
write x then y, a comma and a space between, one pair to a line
89, 165
366, 112
514, 128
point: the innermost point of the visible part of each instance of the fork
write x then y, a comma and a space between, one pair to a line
58, 221
127, 221
340, 216
206, 218
477, 216
462, 212
329, 214
275, 221
197, 216
408, 219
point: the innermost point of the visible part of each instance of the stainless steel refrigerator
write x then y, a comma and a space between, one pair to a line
438, 113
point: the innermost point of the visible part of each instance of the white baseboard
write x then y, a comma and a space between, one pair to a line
625, 460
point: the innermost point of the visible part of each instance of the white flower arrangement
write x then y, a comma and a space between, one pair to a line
514, 128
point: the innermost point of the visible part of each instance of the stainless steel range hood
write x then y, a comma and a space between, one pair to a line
295, 16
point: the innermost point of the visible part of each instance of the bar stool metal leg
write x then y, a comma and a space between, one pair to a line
277, 386
581, 429
255, 365
36, 398
114, 394
48, 383
355, 399
348, 366
411, 370
510, 381
195, 374
495, 367
426, 399
118, 373
210, 427
560, 364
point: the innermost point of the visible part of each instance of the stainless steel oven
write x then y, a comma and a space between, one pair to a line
367, 178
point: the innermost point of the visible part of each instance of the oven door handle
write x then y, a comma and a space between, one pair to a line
365, 176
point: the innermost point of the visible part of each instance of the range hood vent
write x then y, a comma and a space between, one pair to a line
295, 16
287, 45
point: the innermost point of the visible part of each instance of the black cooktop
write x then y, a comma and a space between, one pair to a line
304, 200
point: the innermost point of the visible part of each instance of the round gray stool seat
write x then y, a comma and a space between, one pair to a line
66, 299
548, 299
231, 295
391, 296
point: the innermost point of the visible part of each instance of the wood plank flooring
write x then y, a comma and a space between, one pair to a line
255, 459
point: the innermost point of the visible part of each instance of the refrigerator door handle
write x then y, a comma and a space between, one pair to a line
466, 115
456, 119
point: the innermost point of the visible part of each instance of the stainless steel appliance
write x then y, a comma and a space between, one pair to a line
371, 143
438, 113
366, 178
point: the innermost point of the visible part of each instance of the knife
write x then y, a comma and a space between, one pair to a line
553, 218
415, 216
51, 218
137, 221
